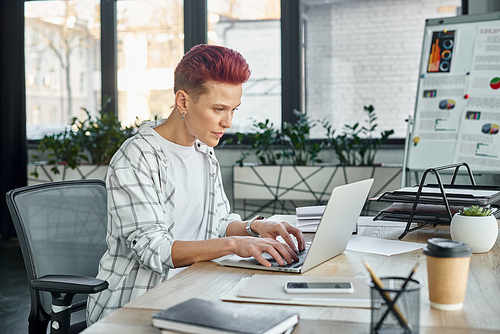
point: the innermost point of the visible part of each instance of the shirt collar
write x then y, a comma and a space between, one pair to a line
146, 128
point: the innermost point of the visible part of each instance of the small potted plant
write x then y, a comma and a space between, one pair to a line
476, 226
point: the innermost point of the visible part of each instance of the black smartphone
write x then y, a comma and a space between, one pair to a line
319, 287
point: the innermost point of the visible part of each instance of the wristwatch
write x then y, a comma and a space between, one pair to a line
249, 229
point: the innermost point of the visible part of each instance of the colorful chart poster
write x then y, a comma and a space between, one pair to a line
457, 110
441, 99
485, 71
479, 141
440, 107
441, 52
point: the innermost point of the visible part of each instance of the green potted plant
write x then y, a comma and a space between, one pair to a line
100, 138
476, 226
300, 149
357, 145
262, 142
60, 149
291, 146
287, 166
90, 143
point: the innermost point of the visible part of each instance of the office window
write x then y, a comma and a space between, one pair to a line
160, 102
47, 81
253, 29
57, 33
34, 116
52, 114
365, 52
32, 78
122, 102
150, 44
82, 83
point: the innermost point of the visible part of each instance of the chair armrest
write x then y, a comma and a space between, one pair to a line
69, 284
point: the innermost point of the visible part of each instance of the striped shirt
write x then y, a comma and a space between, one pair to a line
141, 217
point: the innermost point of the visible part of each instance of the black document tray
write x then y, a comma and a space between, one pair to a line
438, 195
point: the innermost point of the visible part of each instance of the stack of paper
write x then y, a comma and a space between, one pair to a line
308, 217
456, 195
431, 208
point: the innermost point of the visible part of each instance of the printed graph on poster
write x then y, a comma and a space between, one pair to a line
475, 115
486, 150
446, 104
441, 53
490, 129
430, 93
444, 124
495, 83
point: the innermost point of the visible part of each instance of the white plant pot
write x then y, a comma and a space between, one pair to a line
479, 232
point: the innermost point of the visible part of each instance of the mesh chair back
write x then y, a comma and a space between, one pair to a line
61, 227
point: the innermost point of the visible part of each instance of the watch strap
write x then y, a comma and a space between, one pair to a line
249, 229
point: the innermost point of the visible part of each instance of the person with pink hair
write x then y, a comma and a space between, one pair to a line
167, 208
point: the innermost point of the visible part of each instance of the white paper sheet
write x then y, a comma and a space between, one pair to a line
364, 244
381, 246
275, 282
292, 220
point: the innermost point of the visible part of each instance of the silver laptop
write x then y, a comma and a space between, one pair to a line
333, 233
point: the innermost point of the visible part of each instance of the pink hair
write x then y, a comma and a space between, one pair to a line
209, 62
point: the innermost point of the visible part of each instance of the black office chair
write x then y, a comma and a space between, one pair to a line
61, 228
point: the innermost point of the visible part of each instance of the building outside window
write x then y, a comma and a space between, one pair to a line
356, 53
253, 29
56, 34
150, 44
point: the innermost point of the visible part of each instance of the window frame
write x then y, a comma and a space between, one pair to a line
195, 32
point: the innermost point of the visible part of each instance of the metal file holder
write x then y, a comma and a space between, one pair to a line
441, 198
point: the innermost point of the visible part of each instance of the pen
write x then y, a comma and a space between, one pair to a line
378, 283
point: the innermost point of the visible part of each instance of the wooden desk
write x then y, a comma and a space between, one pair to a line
207, 280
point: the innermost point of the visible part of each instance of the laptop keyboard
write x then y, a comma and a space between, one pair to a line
302, 256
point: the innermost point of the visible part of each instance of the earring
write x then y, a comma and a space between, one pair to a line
183, 116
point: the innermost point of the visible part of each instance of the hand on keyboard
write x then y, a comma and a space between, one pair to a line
301, 255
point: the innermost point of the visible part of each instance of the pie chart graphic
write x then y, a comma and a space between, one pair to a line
446, 104
490, 129
495, 83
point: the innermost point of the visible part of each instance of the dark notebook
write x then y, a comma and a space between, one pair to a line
203, 316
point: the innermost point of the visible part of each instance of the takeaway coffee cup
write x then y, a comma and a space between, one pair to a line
447, 271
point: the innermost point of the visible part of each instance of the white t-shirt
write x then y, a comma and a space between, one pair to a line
189, 169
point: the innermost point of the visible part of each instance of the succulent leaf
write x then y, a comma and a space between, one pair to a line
475, 210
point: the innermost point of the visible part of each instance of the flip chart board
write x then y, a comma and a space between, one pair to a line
457, 110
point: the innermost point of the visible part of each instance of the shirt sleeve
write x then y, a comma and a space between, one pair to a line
138, 219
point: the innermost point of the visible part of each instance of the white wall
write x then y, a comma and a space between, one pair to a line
366, 52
